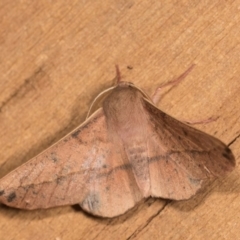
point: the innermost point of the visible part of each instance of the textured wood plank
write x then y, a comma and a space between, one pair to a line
56, 56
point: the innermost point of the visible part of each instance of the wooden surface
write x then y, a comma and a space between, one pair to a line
56, 56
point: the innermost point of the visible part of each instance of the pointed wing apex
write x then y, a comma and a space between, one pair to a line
182, 157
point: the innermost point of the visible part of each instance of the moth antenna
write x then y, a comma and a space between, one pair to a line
156, 95
118, 74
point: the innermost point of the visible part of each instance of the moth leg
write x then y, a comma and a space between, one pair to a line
157, 93
203, 121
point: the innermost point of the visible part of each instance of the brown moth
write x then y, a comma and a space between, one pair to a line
125, 151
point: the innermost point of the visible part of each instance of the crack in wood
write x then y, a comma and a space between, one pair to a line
22, 89
149, 220
234, 140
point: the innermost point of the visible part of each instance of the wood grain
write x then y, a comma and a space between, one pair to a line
56, 56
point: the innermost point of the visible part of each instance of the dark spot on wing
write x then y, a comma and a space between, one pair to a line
75, 134
54, 157
60, 180
185, 132
228, 154
2, 192
227, 150
158, 158
113, 170
11, 197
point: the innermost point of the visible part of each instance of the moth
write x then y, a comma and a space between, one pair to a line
126, 150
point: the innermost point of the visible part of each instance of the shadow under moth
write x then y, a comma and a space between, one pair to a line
125, 151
